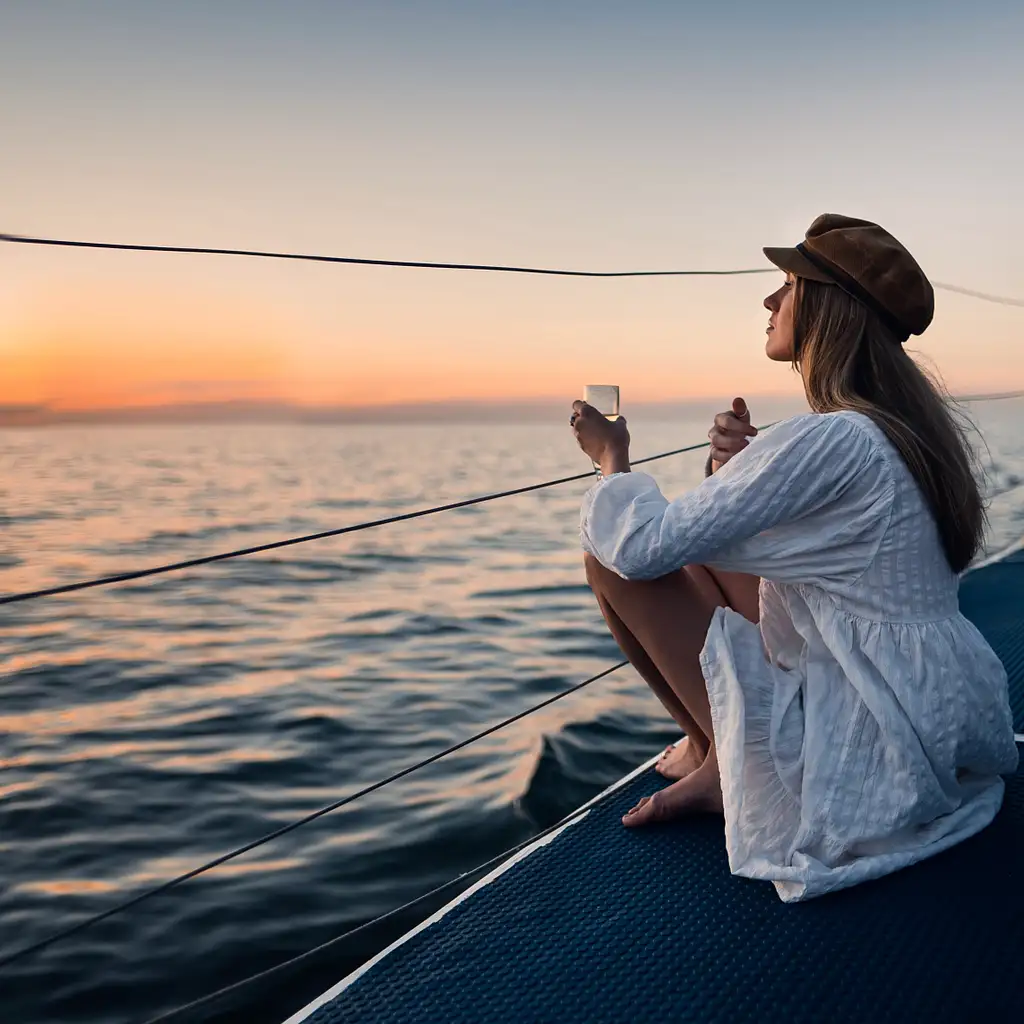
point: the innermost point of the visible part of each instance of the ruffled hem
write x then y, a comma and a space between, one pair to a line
806, 877
758, 725
758, 719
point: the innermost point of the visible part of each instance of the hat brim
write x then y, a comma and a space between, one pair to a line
793, 261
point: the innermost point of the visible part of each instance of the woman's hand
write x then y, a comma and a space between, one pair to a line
730, 434
604, 440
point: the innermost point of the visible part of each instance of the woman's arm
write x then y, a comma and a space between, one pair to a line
801, 466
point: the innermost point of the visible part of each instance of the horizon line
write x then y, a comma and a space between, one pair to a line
278, 410
479, 410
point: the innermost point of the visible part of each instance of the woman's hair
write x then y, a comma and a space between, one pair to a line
849, 359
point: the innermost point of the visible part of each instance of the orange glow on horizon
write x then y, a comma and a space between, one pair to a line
129, 338
174, 342
90, 356
88, 353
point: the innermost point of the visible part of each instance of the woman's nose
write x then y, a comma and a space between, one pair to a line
769, 303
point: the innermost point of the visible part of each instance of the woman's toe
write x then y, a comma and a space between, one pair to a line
661, 763
644, 812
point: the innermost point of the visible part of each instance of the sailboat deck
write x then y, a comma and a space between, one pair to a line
600, 923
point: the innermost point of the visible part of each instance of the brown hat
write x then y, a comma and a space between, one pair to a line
868, 264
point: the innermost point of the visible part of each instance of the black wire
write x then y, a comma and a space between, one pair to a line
191, 563
292, 826
30, 240
67, 588
266, 254
989, 397
270, 971
1002, 300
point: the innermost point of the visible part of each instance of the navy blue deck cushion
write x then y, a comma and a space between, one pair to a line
610, 925
616, 925
993, 599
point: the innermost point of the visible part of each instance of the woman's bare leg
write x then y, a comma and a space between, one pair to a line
677, 759
733, 590
661, 626
639, 657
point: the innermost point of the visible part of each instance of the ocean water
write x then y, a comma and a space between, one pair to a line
148, 727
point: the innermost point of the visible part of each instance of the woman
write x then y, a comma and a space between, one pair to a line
797, 613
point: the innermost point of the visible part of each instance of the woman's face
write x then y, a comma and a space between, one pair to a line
779, 346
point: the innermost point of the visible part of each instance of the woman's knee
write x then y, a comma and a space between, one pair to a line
608, 583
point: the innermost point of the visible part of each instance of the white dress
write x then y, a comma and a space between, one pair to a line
864, 724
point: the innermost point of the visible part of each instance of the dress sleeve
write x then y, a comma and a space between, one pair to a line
807, 500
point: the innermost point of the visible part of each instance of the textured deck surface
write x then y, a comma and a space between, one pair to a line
609, 925
993, 599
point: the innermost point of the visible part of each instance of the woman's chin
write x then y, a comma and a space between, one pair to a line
775, 352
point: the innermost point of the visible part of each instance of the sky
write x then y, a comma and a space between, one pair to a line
585, 135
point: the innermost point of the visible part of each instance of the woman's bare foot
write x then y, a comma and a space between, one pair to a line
700, 792
679, 759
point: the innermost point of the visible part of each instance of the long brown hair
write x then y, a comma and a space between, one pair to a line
849, 359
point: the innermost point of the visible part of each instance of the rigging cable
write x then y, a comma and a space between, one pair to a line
67, 588
170, 1015
121, 246
425, 265
191, 563
118, 908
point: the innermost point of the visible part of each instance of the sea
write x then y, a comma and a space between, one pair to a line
151, 726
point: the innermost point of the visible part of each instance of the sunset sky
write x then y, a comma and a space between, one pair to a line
588, 135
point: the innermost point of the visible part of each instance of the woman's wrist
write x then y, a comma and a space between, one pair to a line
614, 460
